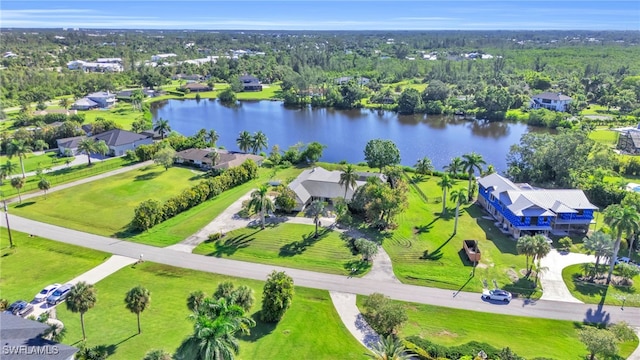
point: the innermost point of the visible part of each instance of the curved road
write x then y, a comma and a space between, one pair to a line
461, 300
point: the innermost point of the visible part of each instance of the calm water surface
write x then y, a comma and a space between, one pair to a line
345, 132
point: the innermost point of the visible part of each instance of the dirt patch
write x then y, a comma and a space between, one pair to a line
513, 275
483, 266
602, 280
447, 334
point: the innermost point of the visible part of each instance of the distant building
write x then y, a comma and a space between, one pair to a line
100, 99
206, 159
197, 87
629, 140
550, 101
118, 141
250, 83
345, 79
110, 65
159, 57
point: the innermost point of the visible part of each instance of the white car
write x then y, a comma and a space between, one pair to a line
44, 294
496, 294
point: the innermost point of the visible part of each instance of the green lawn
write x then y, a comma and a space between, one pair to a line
425, 253
291, 245
65, 175
106, 206
122, 114
35, 263
607, 137
311, 329
593, 294
528, 337
34, 162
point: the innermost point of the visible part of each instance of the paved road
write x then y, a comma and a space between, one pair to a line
419, 294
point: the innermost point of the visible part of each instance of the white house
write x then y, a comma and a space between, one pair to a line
550, 101
321, 184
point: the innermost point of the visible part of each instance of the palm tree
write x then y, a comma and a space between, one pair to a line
9, 168
424, 166
195, 299
81, 299
541, 248
244, 141
90, 146
620, 219
259, 142
455, 166
459, 196
44, 184
471, 162
137, 300
162, 126
316, 210
390, 348
348, 178
601, 245
20, 149
216, 324
261, 202
18, 183
445, 183
65, 103
213, 137
526, 247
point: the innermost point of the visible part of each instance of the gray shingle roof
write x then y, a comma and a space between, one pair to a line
319, 182
119, 137
23, 335
552, 96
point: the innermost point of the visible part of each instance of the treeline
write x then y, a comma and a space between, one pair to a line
151, 212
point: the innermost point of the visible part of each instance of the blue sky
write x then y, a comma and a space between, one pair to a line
323, 15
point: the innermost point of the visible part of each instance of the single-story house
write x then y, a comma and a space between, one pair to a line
550, 101
100, 99
126, 94
250, 83
55, 111
345, 79
118, 141
321, 184
197, 87
192, 77
629, 141
22, 339
522, 209
204, 158
158, 57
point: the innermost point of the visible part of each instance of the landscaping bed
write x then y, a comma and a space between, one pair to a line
593, 293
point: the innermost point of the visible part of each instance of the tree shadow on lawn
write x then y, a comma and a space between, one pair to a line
437, 253
299, 247
357, 267
522, 288
25, 204
230, 246
261, 329
148, 176
503, 242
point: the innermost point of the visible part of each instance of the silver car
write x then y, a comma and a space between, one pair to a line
45, 293
497, 294
59, 294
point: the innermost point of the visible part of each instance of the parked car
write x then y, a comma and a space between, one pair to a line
45, 293
497, 294
59, 294
20, 308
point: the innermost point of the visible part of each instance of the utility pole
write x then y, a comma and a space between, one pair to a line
6, 215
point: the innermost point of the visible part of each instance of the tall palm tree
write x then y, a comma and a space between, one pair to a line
216, 324
348, 178
445, 184
316, 210
261, 202
81, 299
213, 137
601, 245
21, 150
162, 126
244, 141
620, 219
458, 196
44, 184
541, 248
471, 162
390, 348
90, 146
259, 142
455, 166
525, 246
18, 183
424, 166
137, 301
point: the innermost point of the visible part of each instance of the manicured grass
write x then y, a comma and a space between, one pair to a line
65, 175
36, 262
189, 222
449, 327
593, 294
607, 137
424, 252
106, 206
122, 114
33, 162
311, 329
291, 245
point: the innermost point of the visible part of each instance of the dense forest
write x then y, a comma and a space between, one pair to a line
482, 73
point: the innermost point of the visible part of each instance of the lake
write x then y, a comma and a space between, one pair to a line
346, 132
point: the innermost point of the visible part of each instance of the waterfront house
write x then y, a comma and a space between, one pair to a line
550, 101
250, 83
521, 209
197, 87
205, 159
324, 185
118, 141
100, 99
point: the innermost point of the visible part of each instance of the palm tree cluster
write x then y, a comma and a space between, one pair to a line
621, 219
90, 146
535, 248
256, 142
261, 203
600, 245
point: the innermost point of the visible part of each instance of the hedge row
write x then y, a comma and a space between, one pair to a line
151, 212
